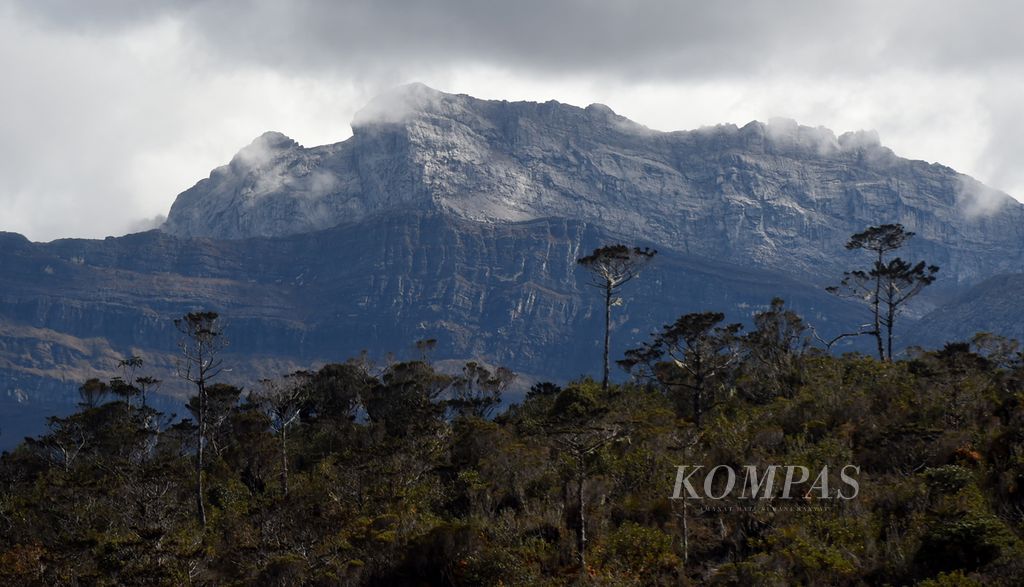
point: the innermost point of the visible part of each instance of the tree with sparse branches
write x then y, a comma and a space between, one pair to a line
477, 391
125, 386
202, 340
888, 285
687, 358
282, 400
424, 347
611, 267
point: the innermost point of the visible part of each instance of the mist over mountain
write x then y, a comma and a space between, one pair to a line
449, 217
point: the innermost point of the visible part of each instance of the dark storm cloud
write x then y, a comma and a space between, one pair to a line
97, 16
623, 38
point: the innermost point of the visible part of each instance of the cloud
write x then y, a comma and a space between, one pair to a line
145, 224
264, 150
322, 183
642, 38
396, 104
976, 199
104, 129
115, 108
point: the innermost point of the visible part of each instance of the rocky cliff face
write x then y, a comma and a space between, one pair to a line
510, 293
460, 219
772, 195
504, 293
991, 306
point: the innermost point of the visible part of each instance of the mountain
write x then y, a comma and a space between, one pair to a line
459, 219
991, 306
775, 195
507, 293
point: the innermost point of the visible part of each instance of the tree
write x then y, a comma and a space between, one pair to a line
961, 378
145, 385
337, 391
93, 393
282, 401
888, 285
202, 340
687, 356
611, 267
424, 347
543, 389
408, 400
124, 386
1003, 352
221, 402
477, 392
129, 385
332, 405
774, 349
579, 426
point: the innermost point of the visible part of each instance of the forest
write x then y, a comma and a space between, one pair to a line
402, 473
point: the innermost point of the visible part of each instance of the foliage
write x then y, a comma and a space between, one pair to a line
354, 475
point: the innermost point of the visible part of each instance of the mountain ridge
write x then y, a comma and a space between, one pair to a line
776, 195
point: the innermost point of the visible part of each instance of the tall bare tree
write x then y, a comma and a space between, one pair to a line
201, 342
610, 268
888, 285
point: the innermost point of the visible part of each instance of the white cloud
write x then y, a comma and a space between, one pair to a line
976, 199
109, 129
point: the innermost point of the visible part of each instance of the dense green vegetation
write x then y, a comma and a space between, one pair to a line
395, 475
402, 475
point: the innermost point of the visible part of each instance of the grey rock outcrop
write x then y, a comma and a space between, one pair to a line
775, 195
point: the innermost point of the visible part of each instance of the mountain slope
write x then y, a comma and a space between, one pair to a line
774, 195
504, 293
507, 292
991, 306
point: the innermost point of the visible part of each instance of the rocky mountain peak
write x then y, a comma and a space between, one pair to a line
861, 139
265, 148
779, 193
788, 135
404, 102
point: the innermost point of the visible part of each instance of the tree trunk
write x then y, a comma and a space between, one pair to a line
284, 459
888, 327
200, 507
686, 536
607, 333
698, 399
581, 536
696, 407
876, 307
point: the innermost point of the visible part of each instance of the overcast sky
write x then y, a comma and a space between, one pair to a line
111, 110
